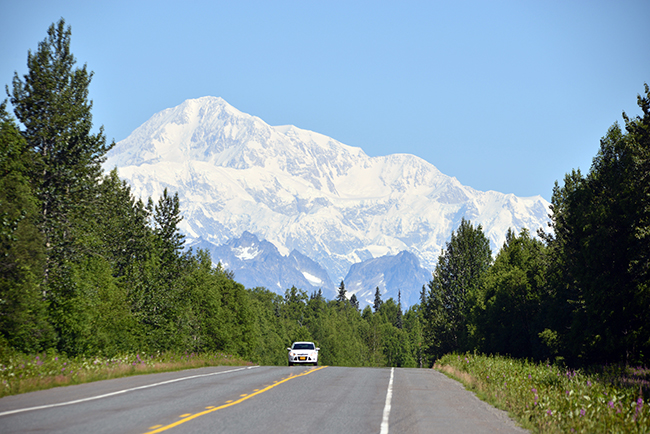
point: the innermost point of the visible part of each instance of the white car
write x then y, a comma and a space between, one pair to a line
303, 353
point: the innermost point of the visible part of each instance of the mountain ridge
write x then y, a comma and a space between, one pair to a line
304, 191
256, 263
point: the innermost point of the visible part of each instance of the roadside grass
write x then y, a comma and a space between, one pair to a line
21, 373
547, 398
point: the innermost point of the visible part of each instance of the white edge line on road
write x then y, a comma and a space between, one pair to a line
146, 386
389, 395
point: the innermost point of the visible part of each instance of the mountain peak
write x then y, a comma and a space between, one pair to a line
304, 191
196, 130
391, 274
256, 262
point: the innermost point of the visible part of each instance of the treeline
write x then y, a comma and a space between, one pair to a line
86, 268
580, 293
379, 336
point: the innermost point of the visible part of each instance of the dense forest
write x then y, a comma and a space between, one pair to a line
87, 268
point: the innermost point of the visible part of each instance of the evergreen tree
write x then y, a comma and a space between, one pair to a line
316, 305
456, 283
166, 219
354, 302
601, 249
341, 297
377, 304
120, 224
399, 323
161, 302
52, 103
295, 306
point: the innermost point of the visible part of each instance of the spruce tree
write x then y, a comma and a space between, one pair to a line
601, 249
341, 297
399, 323
378, 301
354, 302
457, 280
161, 302
51, 102
167, 216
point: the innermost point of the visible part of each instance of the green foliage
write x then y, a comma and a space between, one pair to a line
95, 318
547, 398
200, 318
413, 325
601, 249
238, 317
507, 313
166, 218
456, 283
51, 101
23, 311
20, 373
346, 336
581, 296
354, 302
86, 266
272, 338
399, 319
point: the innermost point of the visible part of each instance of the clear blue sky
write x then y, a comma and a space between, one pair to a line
503, 95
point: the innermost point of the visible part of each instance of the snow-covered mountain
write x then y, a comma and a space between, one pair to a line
391, 274
304, 191
259, 263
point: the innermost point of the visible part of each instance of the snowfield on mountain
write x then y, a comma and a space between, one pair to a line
304, 191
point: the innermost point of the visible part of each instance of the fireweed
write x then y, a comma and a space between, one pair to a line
25, 373
549, 398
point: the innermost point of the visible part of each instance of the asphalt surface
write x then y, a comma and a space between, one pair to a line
263, 399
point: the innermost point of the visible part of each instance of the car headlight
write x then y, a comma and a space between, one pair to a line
292, 354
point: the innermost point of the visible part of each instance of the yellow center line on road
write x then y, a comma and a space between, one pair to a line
230, 403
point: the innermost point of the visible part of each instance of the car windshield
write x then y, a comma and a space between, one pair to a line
303, 346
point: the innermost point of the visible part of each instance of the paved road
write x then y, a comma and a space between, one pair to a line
259, 400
